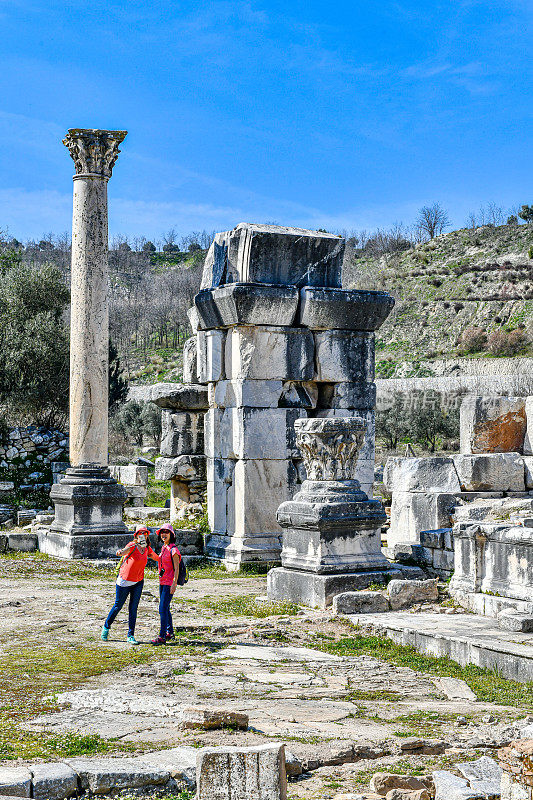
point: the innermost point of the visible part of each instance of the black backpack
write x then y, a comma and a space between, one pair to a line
183, 572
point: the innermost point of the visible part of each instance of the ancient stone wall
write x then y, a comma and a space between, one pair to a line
26, 458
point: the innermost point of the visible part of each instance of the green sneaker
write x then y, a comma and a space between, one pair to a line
132, 640
104, 634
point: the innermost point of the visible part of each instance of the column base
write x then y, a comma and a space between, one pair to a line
234, 552
63, 545
318, 591
88, 502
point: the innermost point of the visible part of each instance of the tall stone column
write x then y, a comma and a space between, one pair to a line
88, 501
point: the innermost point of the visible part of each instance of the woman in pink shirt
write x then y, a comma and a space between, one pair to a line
169, 562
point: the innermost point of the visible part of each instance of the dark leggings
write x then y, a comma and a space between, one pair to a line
134, 592
164, 611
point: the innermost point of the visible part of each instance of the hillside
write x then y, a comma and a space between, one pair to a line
468, 279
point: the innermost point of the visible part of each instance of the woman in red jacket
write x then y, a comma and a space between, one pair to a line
130, 580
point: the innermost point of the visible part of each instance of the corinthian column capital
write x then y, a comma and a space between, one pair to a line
330, 446
94, 152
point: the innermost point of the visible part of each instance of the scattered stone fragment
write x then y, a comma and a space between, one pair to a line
360, 603
384, 782
484, 776
428, 747
406, 794
405, 593
242, 772
455, 689
451, 787
53, 781
293, 765
211, 718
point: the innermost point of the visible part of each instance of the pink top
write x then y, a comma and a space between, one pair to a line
166, 563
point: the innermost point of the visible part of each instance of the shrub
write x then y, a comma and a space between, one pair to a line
507, 343
472, 340
530, 252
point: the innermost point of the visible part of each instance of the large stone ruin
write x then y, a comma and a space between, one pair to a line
277, 339
470, 515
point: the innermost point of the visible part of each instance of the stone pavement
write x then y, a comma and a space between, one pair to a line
466, 638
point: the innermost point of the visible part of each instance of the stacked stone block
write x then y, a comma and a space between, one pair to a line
278, 340
182, 449
134, 479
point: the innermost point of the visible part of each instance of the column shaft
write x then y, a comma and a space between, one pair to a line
89, 326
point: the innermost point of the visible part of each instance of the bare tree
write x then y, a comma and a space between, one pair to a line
432, 220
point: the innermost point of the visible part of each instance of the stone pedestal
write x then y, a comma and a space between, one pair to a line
331, 530
88, 500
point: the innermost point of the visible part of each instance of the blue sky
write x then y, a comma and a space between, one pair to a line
339, 115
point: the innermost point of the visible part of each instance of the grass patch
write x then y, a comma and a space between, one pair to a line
31, 673
245, 606
486, 685
158, 492
40, 565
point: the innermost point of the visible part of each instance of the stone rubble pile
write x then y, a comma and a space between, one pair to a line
26, 461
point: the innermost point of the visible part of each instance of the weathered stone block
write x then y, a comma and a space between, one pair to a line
273, 254
103, 775
490, 472
237, 393
360, 603
356, 309
53, 781
432, 538
183, 467
404, 593
528, 437
210, 355
258, 488
242, 773
344, 356
514, 621
443, 560
259, 433
483, 775
434, 474
190, 361
413, 512
269, 353
354, 395
528, 472
182, 433
22, 542
251, 304
133, 475
492, 424
15, 781
180, 396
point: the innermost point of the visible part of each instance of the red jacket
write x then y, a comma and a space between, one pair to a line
133, 566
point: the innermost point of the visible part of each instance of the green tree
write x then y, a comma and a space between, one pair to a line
128, 422
429, 421
526, 213
392, 424
118, 385
33, 342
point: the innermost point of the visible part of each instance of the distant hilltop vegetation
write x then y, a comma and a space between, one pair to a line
467, 293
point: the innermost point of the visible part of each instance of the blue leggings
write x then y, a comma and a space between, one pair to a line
134, 592
164, 611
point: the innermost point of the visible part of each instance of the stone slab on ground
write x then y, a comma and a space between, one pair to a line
262, 653
360, 603
514, 621
404, 593
455, 689
465, 638
179, 761
15, 781
242, 773
53, 781
101, 775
